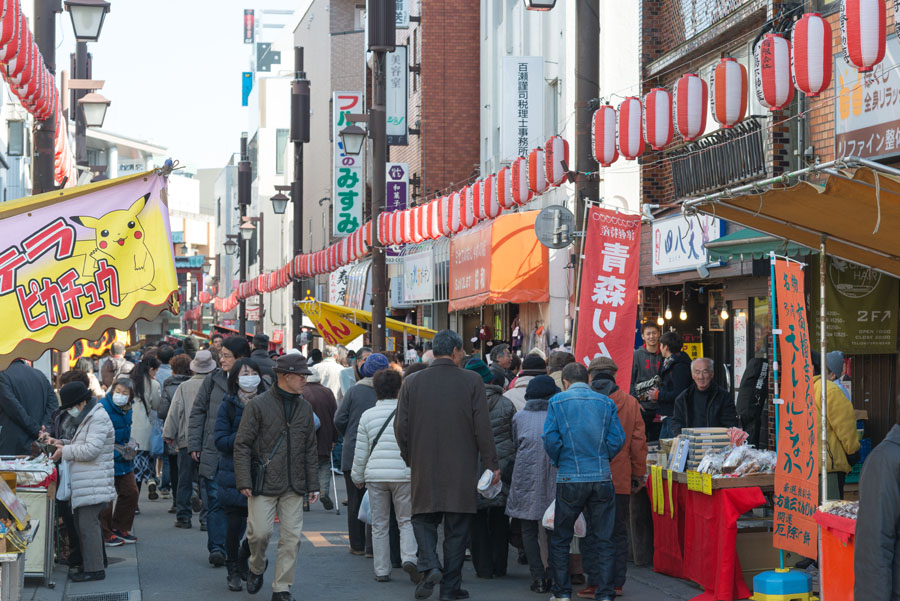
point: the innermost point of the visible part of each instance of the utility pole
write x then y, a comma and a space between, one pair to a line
244, 179
299, 136
382, 39
262, 309
587, 71
45, 12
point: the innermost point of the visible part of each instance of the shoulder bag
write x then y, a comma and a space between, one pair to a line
258, 467
380, 432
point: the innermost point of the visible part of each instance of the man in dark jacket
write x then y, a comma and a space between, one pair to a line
26, 403
442, 426
277, 428
675, 378
260, 354
647, 358
325, 406
704, 404
876, 559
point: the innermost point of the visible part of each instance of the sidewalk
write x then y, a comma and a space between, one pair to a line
121, 584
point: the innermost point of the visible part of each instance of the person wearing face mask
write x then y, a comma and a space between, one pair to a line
117, 522
244, 384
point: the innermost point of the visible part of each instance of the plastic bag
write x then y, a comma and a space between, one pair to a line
364, 509
64, 489
580, 526
549, 515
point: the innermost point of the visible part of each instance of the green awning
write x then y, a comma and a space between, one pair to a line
748, 244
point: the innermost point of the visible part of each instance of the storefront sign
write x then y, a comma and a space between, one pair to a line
402, 14
470, 262
396, 198
397, 68
418, 277
332, 327
609, 290
694, 350
523, 106
860, 309
249, 26
337, 284
679, 243
348, 170
867, 107
796, 474
740, 347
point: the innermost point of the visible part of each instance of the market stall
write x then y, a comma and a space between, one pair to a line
18, 531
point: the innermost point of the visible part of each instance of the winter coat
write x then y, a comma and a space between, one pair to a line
501, 411
720, 412
203, 420
26, 403
90, 457
516, 392
442, 426
841, 437
168, 393
631, 461
295, 465
382, 463
141, 428
359, 399
533, 485
330, 372
675, 378
112, 368
227, 421
324, 406
177, 422
121, 421
877, 542
645, 365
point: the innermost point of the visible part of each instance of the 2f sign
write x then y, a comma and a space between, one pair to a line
872, 316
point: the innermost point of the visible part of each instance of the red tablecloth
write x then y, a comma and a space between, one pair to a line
699, 543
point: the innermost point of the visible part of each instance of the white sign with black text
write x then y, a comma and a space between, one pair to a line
397, 71
522, 114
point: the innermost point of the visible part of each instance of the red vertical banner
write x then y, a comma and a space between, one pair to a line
796, 476
607, 307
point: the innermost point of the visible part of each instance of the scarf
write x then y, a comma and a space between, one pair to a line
76, 421
536, 405
367, 382
246, 397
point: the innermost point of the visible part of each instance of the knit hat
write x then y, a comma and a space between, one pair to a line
374, 362
534, 361
835, 362
541, 387
480, 368
602, 364
190, 346
73, 393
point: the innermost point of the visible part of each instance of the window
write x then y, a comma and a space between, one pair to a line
16, 147
281, 138
359, 18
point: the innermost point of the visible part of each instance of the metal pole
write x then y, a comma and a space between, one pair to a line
823, 377
82, 71
587, 71
262, 310
585, 209
299, 135
244, 177
378, 127
773, 309
45, 131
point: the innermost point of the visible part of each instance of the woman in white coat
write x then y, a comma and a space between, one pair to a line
147, 394
90, 457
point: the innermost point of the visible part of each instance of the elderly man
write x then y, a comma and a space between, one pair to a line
704, 404
442, 426
329, 370
501, 358
114, 365
278, 431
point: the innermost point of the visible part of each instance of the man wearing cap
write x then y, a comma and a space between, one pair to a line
260, 354
277, 429
834, 361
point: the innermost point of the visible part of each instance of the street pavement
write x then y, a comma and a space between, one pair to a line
171, 564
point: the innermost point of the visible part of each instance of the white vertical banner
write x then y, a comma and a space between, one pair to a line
397, 71
522, 115
347, 182
402, 14
740, 347
337, 285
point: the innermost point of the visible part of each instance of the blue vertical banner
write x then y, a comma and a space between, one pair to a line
246, 87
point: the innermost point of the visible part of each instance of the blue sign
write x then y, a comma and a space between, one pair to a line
246, 87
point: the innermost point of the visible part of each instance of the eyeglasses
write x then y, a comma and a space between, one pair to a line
703, 372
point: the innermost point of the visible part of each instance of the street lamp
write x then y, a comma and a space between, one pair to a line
207, 266
94, 107
352, 139
231, 246
87, 18
246, 230
279, 203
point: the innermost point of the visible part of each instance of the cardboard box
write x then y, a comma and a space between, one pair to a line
757, 555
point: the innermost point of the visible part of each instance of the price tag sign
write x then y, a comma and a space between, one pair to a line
707, 484
694, 481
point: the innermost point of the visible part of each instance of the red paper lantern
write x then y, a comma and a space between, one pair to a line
863, 24
774, 88
537, 173
557, 152
446, 216
477, 203
17, 63
811, 61
658, 129
603, 136
492, 208
457, 210
729, 97
8, 50
521, 191
9, 21
434, 223
691, 98
468, 208
503, 189
631, 117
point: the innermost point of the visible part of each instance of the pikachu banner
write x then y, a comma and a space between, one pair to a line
76, 263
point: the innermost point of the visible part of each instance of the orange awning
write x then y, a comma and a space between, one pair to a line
500, 261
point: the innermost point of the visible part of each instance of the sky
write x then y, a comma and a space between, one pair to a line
173, 72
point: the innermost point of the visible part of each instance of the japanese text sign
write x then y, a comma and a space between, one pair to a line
348, 185
330, 325
396, 198
470, 262
796, 485
679, 243
337, 285
522, 114
78, 263
418, 277
607, 308
397, 67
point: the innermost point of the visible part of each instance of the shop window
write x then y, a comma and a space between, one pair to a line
761, 326
16, 146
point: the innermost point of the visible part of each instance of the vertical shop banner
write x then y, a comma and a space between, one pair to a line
740, 347
397, 69
337, 284
396, 198
522, 111
418, 277
607, 308
249, 26
796, 475
348, 198
402, 21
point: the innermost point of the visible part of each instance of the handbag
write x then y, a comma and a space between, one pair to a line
157, 444
128, 451
258, 468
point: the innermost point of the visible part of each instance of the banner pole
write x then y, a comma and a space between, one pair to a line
823, 374
587, 205
775, 373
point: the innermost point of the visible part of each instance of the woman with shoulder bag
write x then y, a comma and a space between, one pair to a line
147, 394
117, 523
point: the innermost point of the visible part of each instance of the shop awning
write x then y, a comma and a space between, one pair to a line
856, 211
748, 243
320, 312
500, 261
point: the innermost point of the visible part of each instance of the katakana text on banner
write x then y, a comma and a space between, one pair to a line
796, 475
607, 309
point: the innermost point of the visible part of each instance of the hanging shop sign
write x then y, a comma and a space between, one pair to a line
740, 347
418, 277
867, 110
249, 26
609, 290
402, 21
330, 325
337, 284
348, 169
679, 244
80, 262
470, 262
523, 106
397, 69
396, 197
860, 309
796, 474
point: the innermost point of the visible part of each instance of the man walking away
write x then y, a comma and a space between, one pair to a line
114, 365
329, 370
277, 429
26, 403
442, 426
260, 354
582, 434
324, 406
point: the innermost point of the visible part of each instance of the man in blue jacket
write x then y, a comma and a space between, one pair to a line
582, 434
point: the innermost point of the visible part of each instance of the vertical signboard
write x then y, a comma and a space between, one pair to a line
397, 69
418, 277
402, 14
249, 26
740, 347
609, 291
337, 285
347, 181
396, 198
522, 114
796, 486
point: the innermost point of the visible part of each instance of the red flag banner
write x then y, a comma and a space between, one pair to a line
607, 307
796, 476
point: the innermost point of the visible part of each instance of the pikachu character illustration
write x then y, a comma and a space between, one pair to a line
120, 241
